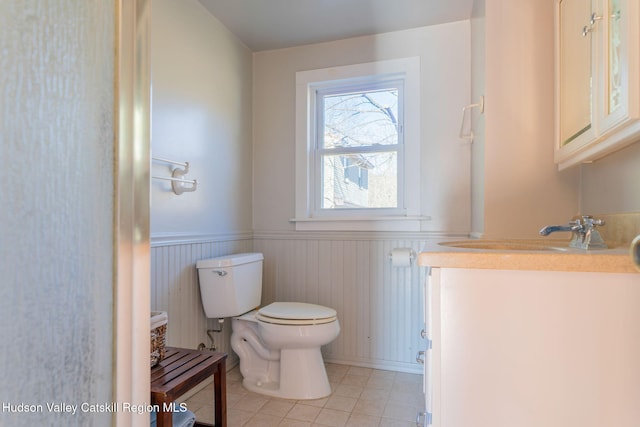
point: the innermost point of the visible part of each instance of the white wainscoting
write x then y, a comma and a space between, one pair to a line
175, 288
379, 306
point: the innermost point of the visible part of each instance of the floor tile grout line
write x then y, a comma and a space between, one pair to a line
389, 382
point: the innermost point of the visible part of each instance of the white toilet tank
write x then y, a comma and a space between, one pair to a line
230, 285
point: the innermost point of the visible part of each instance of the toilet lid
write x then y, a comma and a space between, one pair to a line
296, 313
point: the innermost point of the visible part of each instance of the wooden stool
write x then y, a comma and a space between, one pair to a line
180, 371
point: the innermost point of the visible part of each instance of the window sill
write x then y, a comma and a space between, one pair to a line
386, 223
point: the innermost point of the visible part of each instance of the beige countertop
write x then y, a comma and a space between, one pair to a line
549, 255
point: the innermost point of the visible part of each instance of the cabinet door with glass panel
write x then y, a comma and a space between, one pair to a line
597, 78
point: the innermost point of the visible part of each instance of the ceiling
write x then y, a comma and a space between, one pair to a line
276, 24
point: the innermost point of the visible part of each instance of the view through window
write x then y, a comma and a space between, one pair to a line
359, 141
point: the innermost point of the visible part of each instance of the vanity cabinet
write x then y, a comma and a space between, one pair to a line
597, 78
532, 348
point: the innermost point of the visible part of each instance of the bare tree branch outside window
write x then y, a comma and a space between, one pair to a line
360, 149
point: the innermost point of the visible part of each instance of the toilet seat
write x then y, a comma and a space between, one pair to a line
296, 313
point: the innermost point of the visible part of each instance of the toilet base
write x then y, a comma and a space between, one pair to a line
269, 364
304, 377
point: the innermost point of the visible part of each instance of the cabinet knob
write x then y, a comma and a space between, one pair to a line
592, 21
594, 18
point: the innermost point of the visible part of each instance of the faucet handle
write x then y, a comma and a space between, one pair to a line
576, 225
590, 222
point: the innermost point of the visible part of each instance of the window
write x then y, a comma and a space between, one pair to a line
358, 146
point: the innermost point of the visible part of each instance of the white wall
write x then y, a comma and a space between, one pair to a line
201, 113
445, 55
612, 184
56, 232
350, 271
523, 190
478, 89
516, 187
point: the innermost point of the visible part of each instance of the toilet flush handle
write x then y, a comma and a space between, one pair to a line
220, 273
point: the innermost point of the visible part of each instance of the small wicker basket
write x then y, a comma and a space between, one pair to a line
159, 322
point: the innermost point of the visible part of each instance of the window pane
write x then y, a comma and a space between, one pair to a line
361, 118
368, 180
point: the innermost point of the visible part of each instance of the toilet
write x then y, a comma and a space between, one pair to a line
279, 344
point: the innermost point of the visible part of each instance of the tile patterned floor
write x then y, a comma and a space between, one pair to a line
361, 397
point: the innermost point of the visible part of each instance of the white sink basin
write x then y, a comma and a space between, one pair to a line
507, 245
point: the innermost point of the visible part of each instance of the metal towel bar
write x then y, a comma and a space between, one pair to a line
177, 177
160, 159
170, 178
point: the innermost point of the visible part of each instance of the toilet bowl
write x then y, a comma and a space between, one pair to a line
279, 345
281, 356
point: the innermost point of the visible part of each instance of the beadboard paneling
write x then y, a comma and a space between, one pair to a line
379, 306
175, 289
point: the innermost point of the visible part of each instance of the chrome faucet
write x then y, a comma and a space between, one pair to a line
585, 235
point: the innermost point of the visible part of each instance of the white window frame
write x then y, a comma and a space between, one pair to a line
407, 216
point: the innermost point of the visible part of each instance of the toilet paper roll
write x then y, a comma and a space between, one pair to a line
401, 257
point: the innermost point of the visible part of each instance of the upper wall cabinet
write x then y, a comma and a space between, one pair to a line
597, 78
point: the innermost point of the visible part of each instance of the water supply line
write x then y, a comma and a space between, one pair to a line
202, 346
